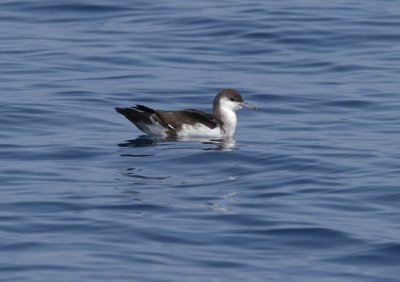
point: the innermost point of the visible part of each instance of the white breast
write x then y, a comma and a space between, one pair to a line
229, 122
228, 116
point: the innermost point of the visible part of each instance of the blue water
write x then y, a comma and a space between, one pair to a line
310, 191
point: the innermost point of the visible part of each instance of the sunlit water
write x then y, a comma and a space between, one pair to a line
308, 190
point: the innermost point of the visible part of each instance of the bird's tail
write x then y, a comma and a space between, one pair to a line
135, 116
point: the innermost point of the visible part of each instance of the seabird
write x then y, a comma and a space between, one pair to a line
220, 123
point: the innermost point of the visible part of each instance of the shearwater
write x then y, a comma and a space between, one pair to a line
220, 123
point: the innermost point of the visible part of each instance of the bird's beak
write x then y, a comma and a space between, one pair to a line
249, 106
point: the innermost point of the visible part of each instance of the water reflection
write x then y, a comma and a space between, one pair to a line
226, 144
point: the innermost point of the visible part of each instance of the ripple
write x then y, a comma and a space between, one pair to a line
386, 255
351, 104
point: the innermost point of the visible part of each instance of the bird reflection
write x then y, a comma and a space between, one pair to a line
226, 144
141, 141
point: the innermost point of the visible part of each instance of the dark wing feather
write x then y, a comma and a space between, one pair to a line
133, 115
145, 109
140, 115
177, 118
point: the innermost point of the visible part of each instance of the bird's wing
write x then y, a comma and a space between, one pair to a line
177, 118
